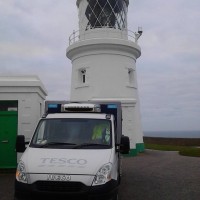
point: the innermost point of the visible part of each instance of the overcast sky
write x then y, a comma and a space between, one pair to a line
34, 37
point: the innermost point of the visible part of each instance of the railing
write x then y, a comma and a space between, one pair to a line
82, 35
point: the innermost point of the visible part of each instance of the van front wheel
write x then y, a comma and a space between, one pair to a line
116, 197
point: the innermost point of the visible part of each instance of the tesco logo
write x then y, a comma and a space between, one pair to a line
63, 161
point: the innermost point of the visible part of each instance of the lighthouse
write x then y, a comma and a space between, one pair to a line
103, 53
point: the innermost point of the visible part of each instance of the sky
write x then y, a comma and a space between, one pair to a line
34, 38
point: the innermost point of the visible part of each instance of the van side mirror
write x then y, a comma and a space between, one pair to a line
20, 143
125, 145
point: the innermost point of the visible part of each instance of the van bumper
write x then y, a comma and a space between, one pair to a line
102, 192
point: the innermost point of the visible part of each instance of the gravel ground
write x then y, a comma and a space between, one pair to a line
153, 175
160, 175
6, 186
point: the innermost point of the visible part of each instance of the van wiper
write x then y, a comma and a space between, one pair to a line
55, 143
90, 144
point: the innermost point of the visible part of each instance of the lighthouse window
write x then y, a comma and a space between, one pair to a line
106, 13
131, 76
82, 75
83, 78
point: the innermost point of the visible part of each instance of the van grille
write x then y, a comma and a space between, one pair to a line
55, 186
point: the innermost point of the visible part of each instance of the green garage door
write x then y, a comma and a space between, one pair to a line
8, 133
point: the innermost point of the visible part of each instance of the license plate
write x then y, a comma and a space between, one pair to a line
58, 177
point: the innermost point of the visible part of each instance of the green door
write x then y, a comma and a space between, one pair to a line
8, 133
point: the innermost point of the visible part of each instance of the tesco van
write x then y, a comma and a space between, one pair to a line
73, 154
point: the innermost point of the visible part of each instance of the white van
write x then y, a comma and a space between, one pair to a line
73, 154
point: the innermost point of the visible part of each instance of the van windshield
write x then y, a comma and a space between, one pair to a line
73, 134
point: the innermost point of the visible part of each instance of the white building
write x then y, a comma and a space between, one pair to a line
103, 54
21, 106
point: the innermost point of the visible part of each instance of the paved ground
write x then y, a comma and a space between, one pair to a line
158, 175
6, 186
154, 175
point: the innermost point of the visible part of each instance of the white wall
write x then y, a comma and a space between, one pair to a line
30, 94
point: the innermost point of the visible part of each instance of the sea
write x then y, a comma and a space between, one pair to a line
173, 134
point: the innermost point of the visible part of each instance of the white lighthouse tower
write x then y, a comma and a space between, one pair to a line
103, 54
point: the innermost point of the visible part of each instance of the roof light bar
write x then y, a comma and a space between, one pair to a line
77, 107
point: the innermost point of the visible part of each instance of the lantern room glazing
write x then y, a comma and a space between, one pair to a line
102, 14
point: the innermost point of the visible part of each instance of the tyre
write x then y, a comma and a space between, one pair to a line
116, 197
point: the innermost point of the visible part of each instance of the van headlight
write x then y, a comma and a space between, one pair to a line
21, 173
103, 175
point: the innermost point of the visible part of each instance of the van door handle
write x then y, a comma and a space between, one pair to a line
4, 141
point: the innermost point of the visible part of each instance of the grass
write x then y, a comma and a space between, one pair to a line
183, 150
